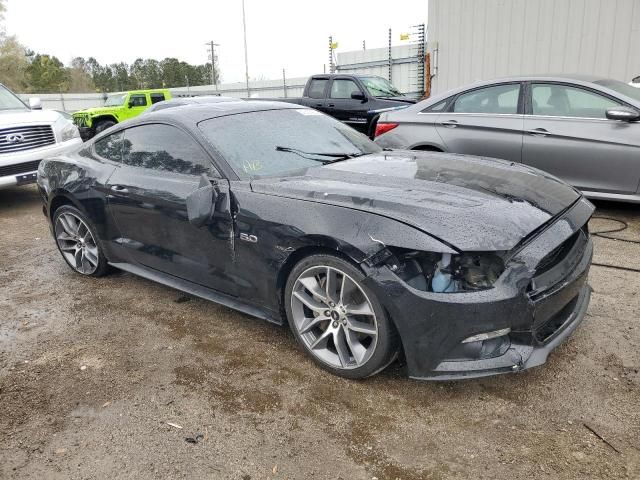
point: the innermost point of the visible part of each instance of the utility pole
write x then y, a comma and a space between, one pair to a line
212, 53
332, 67
390, 58
246, 55
284, 83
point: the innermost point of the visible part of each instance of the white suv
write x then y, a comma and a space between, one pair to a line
27, 135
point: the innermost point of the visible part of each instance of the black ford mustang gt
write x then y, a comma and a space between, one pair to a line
465, 266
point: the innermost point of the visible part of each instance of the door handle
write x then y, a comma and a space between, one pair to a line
119, 189
318, 104
449, 124
538, 132
332, 105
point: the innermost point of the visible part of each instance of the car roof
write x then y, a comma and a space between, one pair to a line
148, 90
577, 78
200, 99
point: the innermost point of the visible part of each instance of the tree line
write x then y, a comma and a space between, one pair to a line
25, 71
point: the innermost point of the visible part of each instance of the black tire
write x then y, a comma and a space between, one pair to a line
102, 267
386, 343
102, 125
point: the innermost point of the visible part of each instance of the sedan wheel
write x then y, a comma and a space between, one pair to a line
337, 321
77, 243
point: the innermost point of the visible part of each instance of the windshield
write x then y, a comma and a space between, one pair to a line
282, 142
379, 87
621, 88
115, 100
8, 101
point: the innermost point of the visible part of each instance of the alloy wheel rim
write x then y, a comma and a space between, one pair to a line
76, 243
334, 317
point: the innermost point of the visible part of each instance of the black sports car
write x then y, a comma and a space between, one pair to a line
464, 266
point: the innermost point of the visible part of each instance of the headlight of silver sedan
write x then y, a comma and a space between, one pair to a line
447, 273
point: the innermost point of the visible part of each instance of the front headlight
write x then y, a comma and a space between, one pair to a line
69, 132
447, 273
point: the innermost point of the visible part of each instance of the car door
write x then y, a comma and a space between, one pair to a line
317, 93
568, 135
341, 106
485, 121
137, 103
161, 166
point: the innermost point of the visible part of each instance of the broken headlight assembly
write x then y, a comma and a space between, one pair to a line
445, 272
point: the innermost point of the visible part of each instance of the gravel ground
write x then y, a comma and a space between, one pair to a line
106, 378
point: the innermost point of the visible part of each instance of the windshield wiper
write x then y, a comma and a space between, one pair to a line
335, 157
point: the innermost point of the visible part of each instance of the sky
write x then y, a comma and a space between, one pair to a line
280, 33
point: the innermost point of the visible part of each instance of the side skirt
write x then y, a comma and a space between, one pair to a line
199, 291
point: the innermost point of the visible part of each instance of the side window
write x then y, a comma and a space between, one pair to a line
438, 107
636, 80
164, 148
565, 101
110, 148
343, 88
156, 97
499, 99
138, 100
316, 87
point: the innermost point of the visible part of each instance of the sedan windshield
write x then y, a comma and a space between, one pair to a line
282, 142
620, 87
115, 100
8, 101
380, 87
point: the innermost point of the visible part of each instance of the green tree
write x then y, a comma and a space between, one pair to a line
80, 80
47, 74
13, 64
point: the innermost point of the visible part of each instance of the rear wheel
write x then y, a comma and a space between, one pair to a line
338, 320
76, 241
103, 125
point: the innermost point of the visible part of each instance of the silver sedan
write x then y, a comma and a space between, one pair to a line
584, 130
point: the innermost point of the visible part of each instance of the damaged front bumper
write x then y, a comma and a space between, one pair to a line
536, 304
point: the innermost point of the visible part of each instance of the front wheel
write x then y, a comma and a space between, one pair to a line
77, 242
336, 319
103, 125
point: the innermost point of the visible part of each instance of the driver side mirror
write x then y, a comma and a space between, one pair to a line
35, 103
201, 203
357, 95
131, 104
625, 114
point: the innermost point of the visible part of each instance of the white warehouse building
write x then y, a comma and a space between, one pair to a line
471, 40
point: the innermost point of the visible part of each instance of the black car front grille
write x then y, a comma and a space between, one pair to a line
18, 139
557, 254
19, 168
546, 331
558, 264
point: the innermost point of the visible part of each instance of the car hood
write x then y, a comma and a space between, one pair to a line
471, 203
399, 99
10, 118
96, 110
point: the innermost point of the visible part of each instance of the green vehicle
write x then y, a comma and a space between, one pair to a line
117, 108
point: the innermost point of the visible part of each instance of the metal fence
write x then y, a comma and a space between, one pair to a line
71, 102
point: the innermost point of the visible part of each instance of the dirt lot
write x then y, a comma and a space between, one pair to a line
93, 371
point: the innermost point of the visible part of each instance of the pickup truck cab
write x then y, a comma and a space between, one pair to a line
117, 108
27, 135
356, 100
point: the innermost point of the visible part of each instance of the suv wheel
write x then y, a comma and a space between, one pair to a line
103, 125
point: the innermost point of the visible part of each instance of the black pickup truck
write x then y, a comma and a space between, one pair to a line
356, 100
